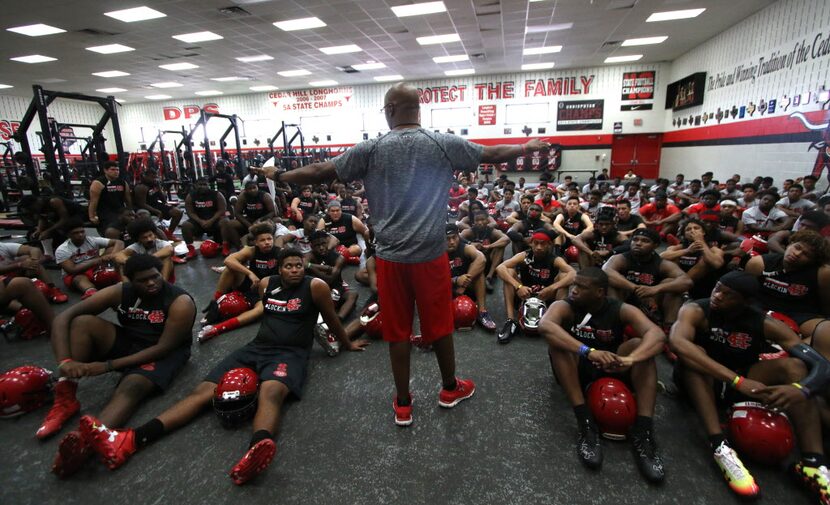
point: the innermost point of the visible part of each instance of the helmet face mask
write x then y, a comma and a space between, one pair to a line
531, 314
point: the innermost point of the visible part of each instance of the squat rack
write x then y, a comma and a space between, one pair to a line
288, 152
204, 117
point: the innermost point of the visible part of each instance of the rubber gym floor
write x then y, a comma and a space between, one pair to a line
512, 443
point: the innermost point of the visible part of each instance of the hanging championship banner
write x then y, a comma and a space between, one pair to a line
638, 90
324, 99
579, 115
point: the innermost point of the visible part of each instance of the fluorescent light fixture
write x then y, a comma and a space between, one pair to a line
528, 51
294, 73
230, 78
198, 37
549, 28
33, 58
5, 86
349, 48
157, 97
368, 66
299, 24
111, 90
178, 66
36, 30
168, 84
142, 13
387, 78
327, 82
439, 39
266, 87
111, 73
537, 66
120, 100
110, 49
645, 41
465, 71
252, 59
209, 92
451, 59
623, 59
403, 11
673, 15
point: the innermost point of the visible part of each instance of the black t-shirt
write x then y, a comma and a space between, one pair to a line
206, 204
144, 318
645, 273
632, 223
602, 329
459, 262
789, 292
155, 196
254, 208
733, 340
349, 205
573, 224
264, 264
224, 183
289, 315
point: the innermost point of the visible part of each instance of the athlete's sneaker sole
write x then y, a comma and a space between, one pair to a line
254, 462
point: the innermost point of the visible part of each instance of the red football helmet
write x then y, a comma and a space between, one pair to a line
530, 314
23, 389
371, 321
42, 287
613, 406
344, 251
209, 249
754, 245
105, 275
235, 397
572, 254
759, 433
791, 324
231, 305
464, 312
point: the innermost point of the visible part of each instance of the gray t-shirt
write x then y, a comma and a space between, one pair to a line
407, 175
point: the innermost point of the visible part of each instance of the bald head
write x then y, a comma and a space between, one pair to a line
402, 106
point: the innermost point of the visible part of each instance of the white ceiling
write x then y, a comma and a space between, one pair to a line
492, 33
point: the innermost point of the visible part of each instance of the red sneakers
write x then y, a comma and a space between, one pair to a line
254, 461
191, 252
113, 446
169, 234
226, 249
89, 292
464, 389
65, 406
73, 451
403, 415
57, 296
177, 259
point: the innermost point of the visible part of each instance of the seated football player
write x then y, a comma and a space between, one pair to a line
118, 228
345, 228
466, 222
699, 256
53, 214
18, 260
643, 279
597, 245
626, 221
252, 206
299, 238
278, 356
815, 220
327, 265
719, 341
149, 346
349, 203
150, 196
587, 341
571, 222
661, 216
550, 207
303, 206
205, 213
520, 232
467, 265
80, 256
537, 273
489, 241
147, 242
520, 214
17, 294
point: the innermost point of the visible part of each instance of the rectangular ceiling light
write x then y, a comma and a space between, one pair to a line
5, 86
178, 66
420, 9
157, 97
387, 78
673, 15
439, 39
465, 71
541, 50
623, 59
168, 84
368, 66
645, 41
110, 49
294, 73
111, 90
327, 82
537, 66
549, 28
142, 13
252, 59
111, 73
197, 37
209, 92
33, 58
349, 48
37, 30
299, 24
451, 59
263, 88
230, 78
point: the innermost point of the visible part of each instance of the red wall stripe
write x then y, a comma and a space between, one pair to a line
777, 125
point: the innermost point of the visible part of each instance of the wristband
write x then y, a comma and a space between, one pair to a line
802, 389
520, 286
109, 366
737, 381
584, 350
64, 361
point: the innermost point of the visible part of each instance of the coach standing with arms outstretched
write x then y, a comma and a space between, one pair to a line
407, 175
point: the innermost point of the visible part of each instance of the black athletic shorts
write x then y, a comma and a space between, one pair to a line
725, 394
214, 231
285, 364
161, 372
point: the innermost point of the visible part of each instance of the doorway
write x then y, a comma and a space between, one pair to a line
640, 152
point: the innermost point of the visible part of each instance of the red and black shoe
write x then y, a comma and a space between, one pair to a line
114, 447
89, 292
73, 452
65, 406
56, 295
254, 461
464, 389
226, 248
191, 252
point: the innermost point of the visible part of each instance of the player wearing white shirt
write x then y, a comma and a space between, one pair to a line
79, 255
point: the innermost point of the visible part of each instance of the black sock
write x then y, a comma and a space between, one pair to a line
258, 436
642, 424
812, 459
149, 432
716, 440
582, 414
404, 402
451, 387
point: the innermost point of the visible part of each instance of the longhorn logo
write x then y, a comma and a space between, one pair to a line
822, 145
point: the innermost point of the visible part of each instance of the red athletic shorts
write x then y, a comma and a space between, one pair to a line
67, 279
402, 286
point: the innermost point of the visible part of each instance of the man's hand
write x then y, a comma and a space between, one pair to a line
524, 292
536, 145
752, 388
463, 280
781, 397
358, 345
73, 369
603, 359
645, 291
254, 279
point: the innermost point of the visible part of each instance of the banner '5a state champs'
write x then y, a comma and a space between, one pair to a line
324, 99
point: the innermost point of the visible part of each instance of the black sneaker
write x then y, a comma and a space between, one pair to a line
488, 284
508, 331
645, 453
588, 447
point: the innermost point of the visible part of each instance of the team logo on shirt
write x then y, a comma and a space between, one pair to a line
640, 278
149, 367
734, 339
539, 273
334, 230
589, 333
785, 287
282, 370
263, 264
156, 316
291, 305
203, 204
456, 263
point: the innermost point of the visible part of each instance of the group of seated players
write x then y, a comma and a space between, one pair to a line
737, 298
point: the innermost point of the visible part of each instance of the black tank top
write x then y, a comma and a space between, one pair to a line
646, 273
349, 206
789, 292
254, 208
343, 229
206, 204
733, 340
155, 197
144, 318
112, 196
306, 204
264, 264
224, 183
289, 315
538, 274
600, 242
330, 259
531, 225
573, 225
603, 329
483, 237
459, 262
